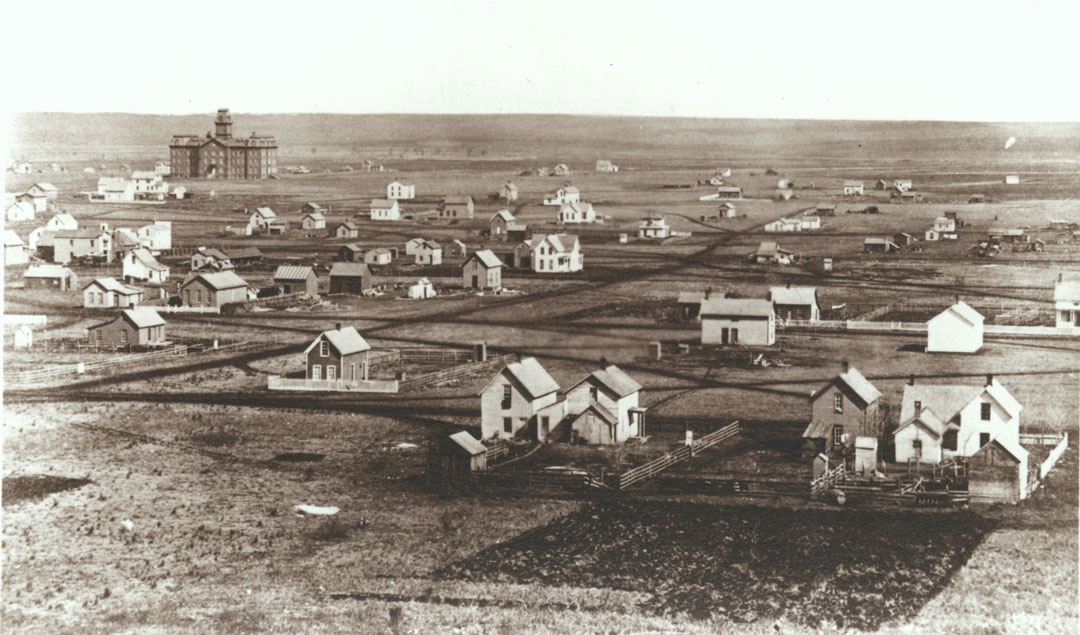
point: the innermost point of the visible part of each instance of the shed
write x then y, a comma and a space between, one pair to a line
350, 253
746, 322
295, 279
138, 326
795, 303
350, 277
957, 329
482, 270
49, 277
213, 289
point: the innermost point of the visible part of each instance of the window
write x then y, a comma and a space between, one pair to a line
594, 393
985, 412
837, 435
324, 349
331, 372
98, 336
508, 396
949, 442
123, 336
916, 447
838, 402
544, 424
316, 372
984, 438
508, 425
918, 407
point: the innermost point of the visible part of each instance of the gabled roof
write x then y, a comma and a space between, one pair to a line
314, 206
112, 284
382, 203
605, 415
468, 443
457, 200
691, 297
580, 207
352, 247
858, 384
346, 340
314, 216
853, 183
487, 258
966, 313
64, 220
213, 253
143, 317
947, 400
287, 272
48, 187
347, 225
147, 259
240, 253
614, 379
570, 189
926, 420
265, 212
1015, 449
531, 376
11, 239
503, 214
85, 233
349, 270
218, 280
793, 295
560, 242
736, 306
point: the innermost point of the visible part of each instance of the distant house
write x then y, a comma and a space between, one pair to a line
244, 256
456, 455
213, 289
138, 326
149, 186
140, 264
795, 303
556, 253
337, 355
746, 322
46, 190
157, 235
296, 279
20, 210
113, 190
902, 184
561, 170
809, 223
162, 168
510, 402
784, 195
179, 192
482, 270
350, 277
49, 277
903, 239
14, 249
351, 253
939, 422
385, 209
401, 190
603, 408
422, 289
500, 222
509, 193
1067, 301
604, 165
977, 198
853, 188
944, 224
347, 229
723, 192
1014, 235
847, 407
109, 293
457, 207
562, 196
313, 208
881, 185
378, 256
313, 221
770, 252
412, 245
62, 222
825, 209
957, 329
654, 227
726, 210
262, 217
429, 252
907, 197
876, 245
784, 225
577, 212
1012, 179
690, 303
82, 243
210, 258
456, 249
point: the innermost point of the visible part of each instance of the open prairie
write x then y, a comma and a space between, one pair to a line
160, 498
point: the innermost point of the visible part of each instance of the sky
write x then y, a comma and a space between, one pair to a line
917, 60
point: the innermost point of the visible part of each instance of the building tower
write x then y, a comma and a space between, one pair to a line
223, 124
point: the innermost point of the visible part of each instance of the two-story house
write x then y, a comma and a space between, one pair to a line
401, 190
513, 400
603, 408
847, 407
556, 253
482, 270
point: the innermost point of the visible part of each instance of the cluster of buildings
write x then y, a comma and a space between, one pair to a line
23, 206
142, 186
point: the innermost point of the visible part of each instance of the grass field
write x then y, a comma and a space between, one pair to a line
160, 498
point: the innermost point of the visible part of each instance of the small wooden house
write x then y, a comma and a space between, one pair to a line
347, 229
350, 277
795, 303
378, 256
337, 355
457, 207
295, 279
139, 326
109, 293
213, 289
957, 329
741, 322
482, 270
510, 402
456, 249
53, 277
455, 456
313, 221
350, 253
847, 407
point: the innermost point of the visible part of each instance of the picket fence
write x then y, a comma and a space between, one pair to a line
920, 327
275, 382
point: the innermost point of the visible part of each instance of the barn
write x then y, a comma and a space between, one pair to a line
295, 279
350, 277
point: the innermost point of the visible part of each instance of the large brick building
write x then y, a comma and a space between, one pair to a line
222, 156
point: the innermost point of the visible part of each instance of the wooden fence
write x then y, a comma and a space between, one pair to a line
828, 479
273, 300
444, 355
46, 374
920, 327
187, 309
1055, 454
428, 379
1032, 438
499, 448
274, 382
654, 467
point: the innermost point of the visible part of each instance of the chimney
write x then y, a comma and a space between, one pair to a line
708, 292
337, 326
1061, 277
844, 366
957, 298
989, 379
789, 286
911, 379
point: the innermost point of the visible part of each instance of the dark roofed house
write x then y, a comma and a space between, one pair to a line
879, 245
139, 326
240, 256
482, 270
456, 207
49, 277
210, 258
347, 229
294, 279
338, 355
213, 289
351, 253
350, 277
845, 408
